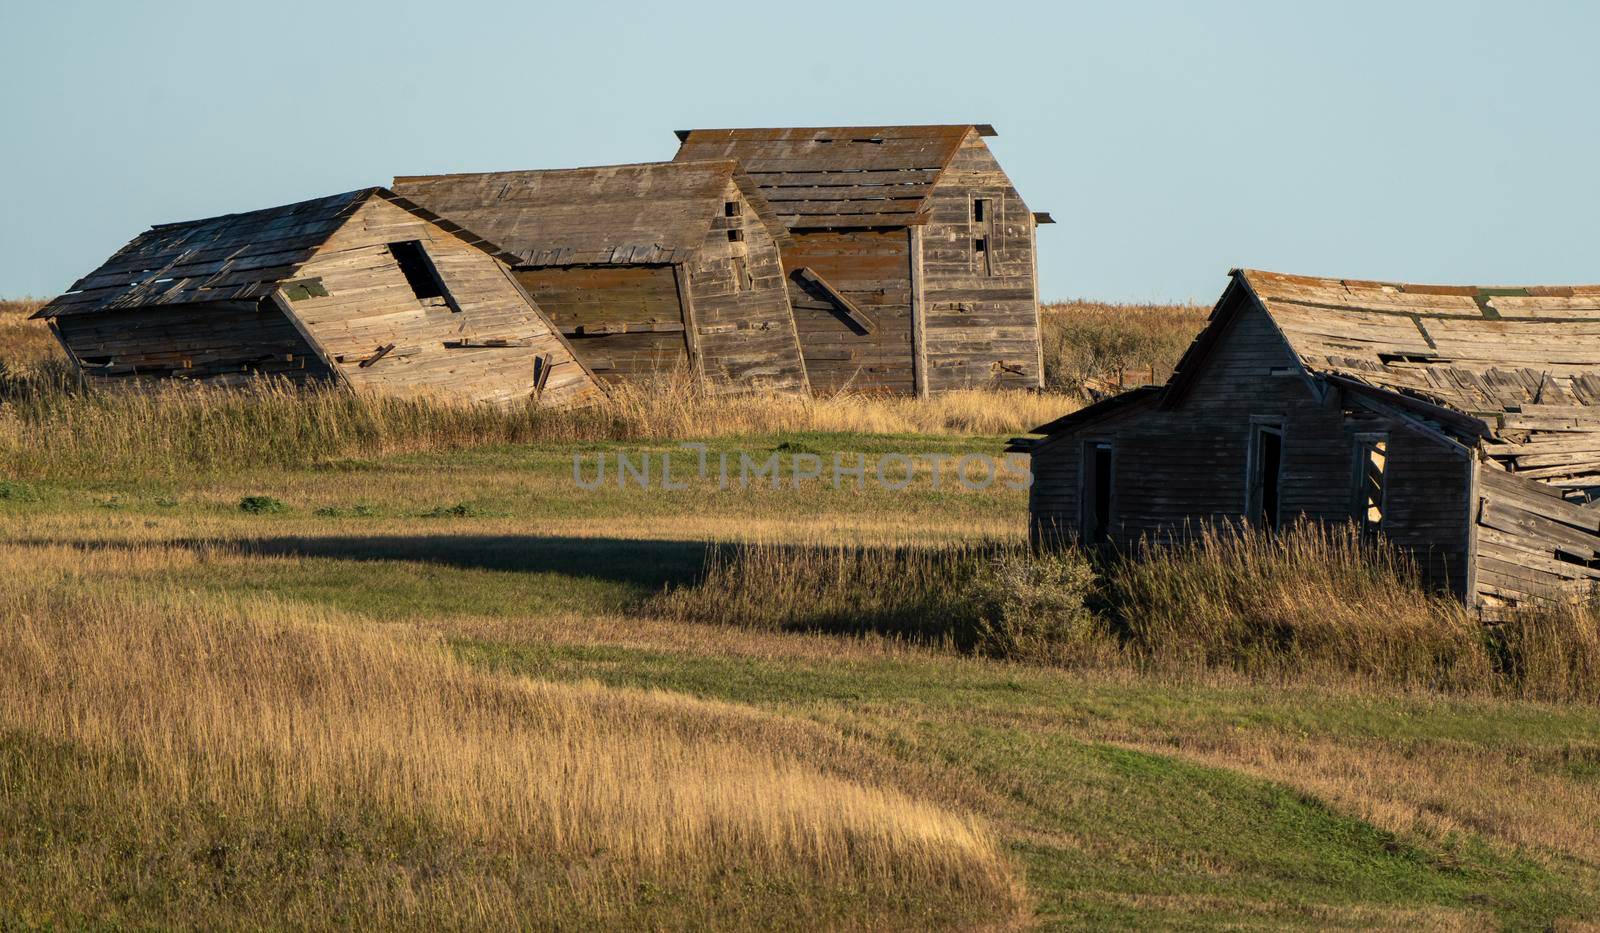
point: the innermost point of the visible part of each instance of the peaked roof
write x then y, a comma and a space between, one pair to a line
1515, 367
1481, 350
233, 257
841, 176
654, 212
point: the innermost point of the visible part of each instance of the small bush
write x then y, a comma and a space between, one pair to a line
262, 505
459, 510
17, 492
1037, 608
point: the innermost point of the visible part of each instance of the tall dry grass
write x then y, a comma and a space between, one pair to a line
311, 770
24, 343
1088, 341
50, 425
1315, 603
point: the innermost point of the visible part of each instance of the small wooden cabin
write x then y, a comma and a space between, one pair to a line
1462, 423
912, 268
647, 269
363, 288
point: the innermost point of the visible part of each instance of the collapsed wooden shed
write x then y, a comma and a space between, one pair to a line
363, 288
646, 269
912, 267
1462, 423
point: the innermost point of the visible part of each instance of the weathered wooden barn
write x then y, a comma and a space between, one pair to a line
363, 288
1461, 423
912, 264
646, 269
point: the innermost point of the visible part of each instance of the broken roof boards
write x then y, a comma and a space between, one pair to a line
646, 268
364, 287
1462, 422
912, 265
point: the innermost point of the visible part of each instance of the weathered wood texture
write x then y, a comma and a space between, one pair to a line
1523, 361
369, 304
221, 342
872, 268
1532, 544
315, 289
618, 252
1179, 469
1486, 398
981, 314
849, 196
623, 321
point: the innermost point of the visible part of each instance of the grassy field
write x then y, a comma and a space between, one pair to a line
304, 662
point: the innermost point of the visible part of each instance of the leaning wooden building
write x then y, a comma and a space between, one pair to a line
1461, 423
912, 264
647, 269
363, 288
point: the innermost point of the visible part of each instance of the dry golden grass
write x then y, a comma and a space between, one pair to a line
24, 343
1314, 604
1089, 340
583, 799
53, 428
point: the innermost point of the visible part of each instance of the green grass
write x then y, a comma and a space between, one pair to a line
1128, 803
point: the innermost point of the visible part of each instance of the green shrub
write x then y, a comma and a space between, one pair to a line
1036, 608
261, 505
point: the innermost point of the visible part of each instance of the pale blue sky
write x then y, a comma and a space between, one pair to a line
1449, 142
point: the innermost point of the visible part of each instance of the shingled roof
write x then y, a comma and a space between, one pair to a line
842, 176
234, 257
654, 212
1515, 368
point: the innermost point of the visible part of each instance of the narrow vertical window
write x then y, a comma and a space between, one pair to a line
1372, 457
741, 275
1096, 492
980, 210
418, 270
1266, 476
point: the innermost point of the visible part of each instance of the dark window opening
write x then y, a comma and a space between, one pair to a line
1372, 455
418, 269
1266, 479
741, 275
730, 209
980, 245
1097, 469
980, 210
735, 236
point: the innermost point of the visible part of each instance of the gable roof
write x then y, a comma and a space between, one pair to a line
1481, 350
1512, 367
842, 176
653, 212
232, 257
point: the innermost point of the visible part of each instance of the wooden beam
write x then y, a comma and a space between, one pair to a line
691, 330
382, 352
857, 317
281, 301
1038, 316
919, 316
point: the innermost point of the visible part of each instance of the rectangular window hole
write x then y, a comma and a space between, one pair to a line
735, 236
418, 269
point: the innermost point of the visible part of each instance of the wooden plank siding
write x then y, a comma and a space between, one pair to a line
1188, 466
873, 269
688, 248
368, 304
981, 309
883, 214
625, 322
746, 329
217, 342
